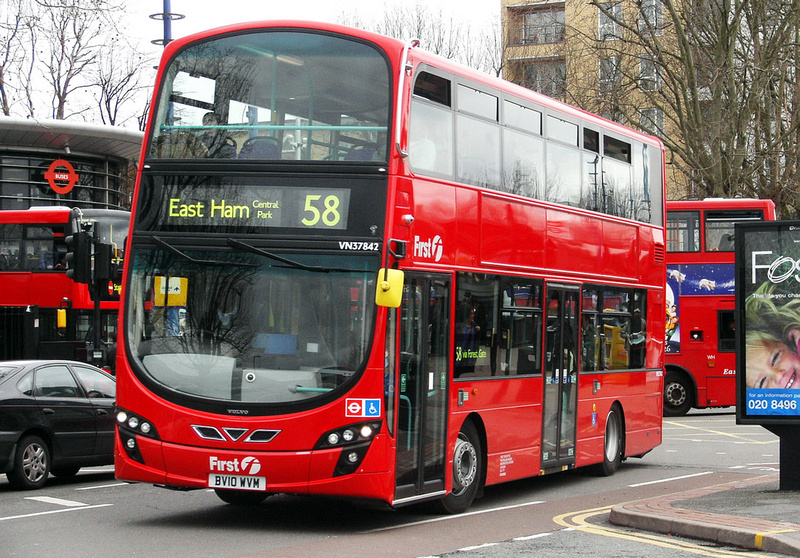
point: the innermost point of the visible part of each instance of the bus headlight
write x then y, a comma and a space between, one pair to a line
350, 459
348, 435
354, 441
129, 426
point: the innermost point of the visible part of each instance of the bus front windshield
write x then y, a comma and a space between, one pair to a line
249, 326
274, 95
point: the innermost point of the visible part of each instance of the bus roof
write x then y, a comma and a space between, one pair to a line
40, 214
720, 203
394, 48
55, 214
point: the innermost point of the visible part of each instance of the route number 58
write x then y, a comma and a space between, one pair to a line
325, 210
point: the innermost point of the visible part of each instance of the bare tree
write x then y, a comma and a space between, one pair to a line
493, 59
27, 66
439, 33
423, 22
56, 51
117, 80
73, 40
10, 22
724, 75
15, 21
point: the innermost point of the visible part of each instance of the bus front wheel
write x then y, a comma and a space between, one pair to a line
466, 471
677, 395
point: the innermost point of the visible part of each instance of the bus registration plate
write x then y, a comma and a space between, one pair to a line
237, 482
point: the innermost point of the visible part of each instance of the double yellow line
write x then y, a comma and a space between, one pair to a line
580, 522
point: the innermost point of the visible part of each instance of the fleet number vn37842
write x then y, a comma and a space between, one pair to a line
360, 246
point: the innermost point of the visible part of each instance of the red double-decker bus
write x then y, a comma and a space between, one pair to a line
357, 269
700, 320
35, 289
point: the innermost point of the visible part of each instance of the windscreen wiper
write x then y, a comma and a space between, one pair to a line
291, 263
184, 255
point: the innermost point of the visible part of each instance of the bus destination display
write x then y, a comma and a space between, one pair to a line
305, 208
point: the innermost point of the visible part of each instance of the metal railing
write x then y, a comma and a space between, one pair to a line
536, 34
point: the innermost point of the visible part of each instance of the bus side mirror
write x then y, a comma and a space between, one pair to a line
389, 288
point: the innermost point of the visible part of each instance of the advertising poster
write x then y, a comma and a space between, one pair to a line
768, 309
693, 280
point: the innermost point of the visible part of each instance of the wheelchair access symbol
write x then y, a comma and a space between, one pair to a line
363, 408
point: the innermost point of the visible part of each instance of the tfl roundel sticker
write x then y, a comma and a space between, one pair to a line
367, 408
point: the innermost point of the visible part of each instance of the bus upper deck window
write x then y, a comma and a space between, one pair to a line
591, 140
616, 149
434, 88
562, 130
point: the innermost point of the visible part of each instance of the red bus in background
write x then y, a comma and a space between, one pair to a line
700, 321
34, 286
357, 269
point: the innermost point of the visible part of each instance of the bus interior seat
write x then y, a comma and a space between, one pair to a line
226, 149
361, 153
261, 147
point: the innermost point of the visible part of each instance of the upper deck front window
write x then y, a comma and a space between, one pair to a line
274, 95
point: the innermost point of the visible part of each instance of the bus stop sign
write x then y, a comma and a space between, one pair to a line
61, 176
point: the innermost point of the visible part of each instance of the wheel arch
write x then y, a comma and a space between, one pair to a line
480, 428
45, 437
624, 421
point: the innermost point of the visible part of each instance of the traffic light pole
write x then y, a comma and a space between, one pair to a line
91, 261
97, 318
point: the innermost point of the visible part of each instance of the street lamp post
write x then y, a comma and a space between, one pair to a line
167, 17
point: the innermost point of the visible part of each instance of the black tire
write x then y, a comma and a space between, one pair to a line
65, 472
467, 471
241, 497
677, 395
613, 444
31, 464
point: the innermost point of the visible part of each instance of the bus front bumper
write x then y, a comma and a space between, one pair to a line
292, 472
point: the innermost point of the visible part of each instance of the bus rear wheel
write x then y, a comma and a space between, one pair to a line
614, 443
241, 497
677, 395
467, 471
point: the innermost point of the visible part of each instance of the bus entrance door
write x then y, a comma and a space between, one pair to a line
422, 387
560, 378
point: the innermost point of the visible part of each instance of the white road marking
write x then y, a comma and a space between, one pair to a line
478, 547
454, 517
670, 479
103, 486
53, 511
57, 501
538, 536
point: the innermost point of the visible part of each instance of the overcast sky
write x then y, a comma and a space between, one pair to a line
206, 14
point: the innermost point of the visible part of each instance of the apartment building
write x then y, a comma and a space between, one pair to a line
571, 50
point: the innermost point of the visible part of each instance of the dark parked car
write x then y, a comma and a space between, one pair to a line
56, 416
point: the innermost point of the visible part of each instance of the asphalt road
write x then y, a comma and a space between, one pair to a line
565, 514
